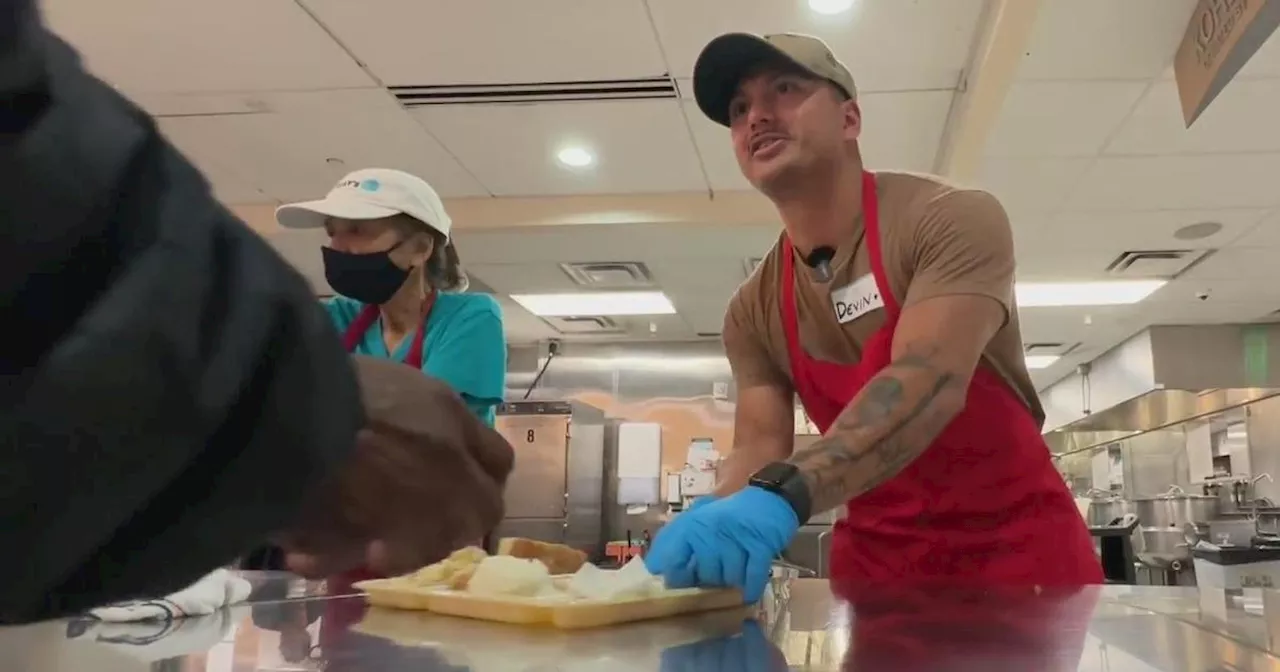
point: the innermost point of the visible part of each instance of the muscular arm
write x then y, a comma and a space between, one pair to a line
763, 419
903, 408
763, 432
961, 290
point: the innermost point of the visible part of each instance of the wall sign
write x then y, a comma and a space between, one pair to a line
1221, 37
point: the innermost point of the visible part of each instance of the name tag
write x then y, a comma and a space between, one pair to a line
856, 299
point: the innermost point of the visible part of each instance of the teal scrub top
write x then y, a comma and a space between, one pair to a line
465, 346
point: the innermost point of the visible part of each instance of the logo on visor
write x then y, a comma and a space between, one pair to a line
370, 185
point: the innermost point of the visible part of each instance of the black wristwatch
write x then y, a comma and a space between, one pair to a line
784, 480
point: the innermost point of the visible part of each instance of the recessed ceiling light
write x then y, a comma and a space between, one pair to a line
1101, 293
830, 6
603, 304
575, 157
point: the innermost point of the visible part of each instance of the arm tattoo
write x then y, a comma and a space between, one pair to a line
887, 425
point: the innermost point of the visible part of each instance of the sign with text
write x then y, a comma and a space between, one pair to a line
1222, 36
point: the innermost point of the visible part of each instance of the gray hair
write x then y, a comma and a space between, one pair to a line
443, 268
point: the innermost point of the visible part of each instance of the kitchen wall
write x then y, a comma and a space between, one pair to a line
1154, 461
670, 383
1263, 424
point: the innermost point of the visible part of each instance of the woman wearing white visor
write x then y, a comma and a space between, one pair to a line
399, 286
399, 283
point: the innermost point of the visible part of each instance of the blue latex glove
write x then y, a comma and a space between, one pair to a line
730, 542
749, 651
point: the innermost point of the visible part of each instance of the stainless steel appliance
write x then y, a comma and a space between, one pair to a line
1105, 508
555, 491
1170, 524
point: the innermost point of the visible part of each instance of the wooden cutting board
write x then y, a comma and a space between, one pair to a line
567, 615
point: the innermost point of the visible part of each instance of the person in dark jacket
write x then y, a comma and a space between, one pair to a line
173, 395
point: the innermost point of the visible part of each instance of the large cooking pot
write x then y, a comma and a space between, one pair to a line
1105, 508
1168, 547
1175, 509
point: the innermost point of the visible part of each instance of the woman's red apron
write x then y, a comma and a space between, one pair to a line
340, 615
982, 505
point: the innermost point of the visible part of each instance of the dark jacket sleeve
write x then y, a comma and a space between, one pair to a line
170, 388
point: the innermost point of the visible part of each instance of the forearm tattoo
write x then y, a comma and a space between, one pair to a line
887, 425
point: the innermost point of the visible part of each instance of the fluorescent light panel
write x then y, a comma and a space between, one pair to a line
1102, 293
1040, 361
603, 304
1030, 295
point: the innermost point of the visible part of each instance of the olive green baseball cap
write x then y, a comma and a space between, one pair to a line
726, 59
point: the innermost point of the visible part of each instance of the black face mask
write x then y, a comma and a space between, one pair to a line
367, 278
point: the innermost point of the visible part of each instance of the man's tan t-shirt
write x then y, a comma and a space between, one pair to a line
936, 239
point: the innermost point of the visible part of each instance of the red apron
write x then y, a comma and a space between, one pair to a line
983, 504
340, 615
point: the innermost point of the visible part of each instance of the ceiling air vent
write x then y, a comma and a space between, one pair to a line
584, 325
709, 334
1155, 263
1050, 348
614, 274
646, 88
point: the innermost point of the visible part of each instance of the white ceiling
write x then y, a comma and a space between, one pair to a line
1092, 158
275, 99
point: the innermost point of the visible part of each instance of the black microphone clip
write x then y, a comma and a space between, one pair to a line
820, 260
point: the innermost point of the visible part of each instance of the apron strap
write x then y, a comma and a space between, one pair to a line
871, 217
369, 314
871, 220
356, 330
790, 319
415, 357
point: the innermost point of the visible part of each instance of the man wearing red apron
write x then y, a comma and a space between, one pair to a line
887, 307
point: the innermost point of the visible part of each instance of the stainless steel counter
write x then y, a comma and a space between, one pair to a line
1107, 629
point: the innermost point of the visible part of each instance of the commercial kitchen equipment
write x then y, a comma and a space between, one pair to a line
1235, 567
1114, 543
1105, 507
700, 472
555, 491
1169, 526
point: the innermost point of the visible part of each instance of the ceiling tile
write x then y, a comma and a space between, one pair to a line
1193, 311
1030, 187
1061, 118
1179, 182
522, 277
1041, 265
715, 147
1116, 232
194, 45
1241, 119
203, 150
916, 45
1265, 234
1260, 265
434, 42
1105, 39
1205, 280
640, 146
902, 131
615, 242
284, 152
1071, 325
